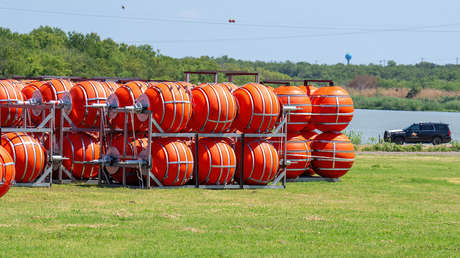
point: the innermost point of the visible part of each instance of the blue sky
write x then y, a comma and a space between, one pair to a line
314, 31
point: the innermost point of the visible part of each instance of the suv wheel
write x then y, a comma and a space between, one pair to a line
398, 140
436, 141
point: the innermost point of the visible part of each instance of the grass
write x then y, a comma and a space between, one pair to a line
386, 206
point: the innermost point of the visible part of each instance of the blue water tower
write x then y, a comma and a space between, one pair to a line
348, 57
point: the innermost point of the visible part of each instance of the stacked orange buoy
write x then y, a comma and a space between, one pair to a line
53, 90
119, 150
10, 93
173, 164
29, 156
126, 95
217, 161
260, 162
81, 149
214, 109
7, 171
170, 106
258, 107
84, 94
298, 154
333, 153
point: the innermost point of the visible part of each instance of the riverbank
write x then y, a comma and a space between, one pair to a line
444, 104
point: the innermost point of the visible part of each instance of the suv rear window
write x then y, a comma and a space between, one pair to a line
441, 127
426, 127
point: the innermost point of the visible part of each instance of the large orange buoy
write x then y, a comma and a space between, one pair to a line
230, 86
309, 136
214, 109
7, 171
9, 93
298, 154
126, 95
170, 105
54, 90
30, 88
80, 148
261, 161
258, 108
332, 109
88, 93
172, 162
113, 86
133, 148
309, 89
293, 96
187, 86
333, 154
28, 155
217, 161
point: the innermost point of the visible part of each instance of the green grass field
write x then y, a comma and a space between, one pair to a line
405, 205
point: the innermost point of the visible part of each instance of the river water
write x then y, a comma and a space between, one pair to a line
372, 123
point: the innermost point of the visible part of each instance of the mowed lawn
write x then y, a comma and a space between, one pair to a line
405, 205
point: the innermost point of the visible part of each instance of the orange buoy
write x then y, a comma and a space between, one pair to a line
81, 148
258, 108
332, 109
54, 90
7, 171
333, 154
88, 93
172, 162
230, 86
28, 154
217, 161
133, 147
293, 96
298, 154
261, 161
309, 89
113, 86
17, 84
170, 105
309, 136
214, 109
9, 93
126, 95
187, 86
30, 88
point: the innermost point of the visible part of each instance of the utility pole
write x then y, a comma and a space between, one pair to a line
456, 61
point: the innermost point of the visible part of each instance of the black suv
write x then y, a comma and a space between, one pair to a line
435, 133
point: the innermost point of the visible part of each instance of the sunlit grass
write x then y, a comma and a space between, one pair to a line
385, 206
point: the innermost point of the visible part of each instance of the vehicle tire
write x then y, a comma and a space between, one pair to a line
436, 141
399, 140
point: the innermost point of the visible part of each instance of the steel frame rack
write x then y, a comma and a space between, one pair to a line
46, 127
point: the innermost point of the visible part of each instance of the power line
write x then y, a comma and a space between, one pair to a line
215, 22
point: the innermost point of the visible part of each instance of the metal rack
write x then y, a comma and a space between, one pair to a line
45, 127
146, 163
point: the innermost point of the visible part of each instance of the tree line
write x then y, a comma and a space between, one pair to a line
51, 51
